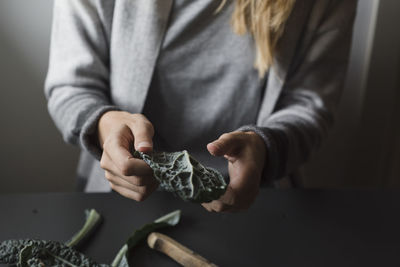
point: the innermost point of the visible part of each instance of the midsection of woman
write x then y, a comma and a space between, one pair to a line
204, 83
182, 66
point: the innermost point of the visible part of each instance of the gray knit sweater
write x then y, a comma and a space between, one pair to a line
204, 83
104, 53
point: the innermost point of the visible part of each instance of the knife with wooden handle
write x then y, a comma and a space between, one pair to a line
176, 251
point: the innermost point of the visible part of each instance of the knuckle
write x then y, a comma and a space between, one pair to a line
110, 143
207, 207
140, 197
219, 207
108, 176
144, 190
125, 167
138, 116
106, 145
125, 170
112, 186
137, 180
225, 136
103, 162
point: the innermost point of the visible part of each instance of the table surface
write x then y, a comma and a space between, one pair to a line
282, 228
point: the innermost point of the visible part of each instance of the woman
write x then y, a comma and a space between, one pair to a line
176, 75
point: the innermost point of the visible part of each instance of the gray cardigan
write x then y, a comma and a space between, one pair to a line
103, 54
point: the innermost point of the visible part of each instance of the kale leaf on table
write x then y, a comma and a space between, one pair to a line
181, 174
170, 219
39, 253
32, 252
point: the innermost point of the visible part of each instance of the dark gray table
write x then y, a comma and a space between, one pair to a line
283, 228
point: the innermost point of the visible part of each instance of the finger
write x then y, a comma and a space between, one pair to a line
243, 196
219, 206
227, 144
127, 193
235, 199
126, 165
140, 188
143, 190
244, 179
108, 165
229, 198
207, 206
143, 133
226, 202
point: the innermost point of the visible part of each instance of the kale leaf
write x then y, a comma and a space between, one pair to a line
181, 174
170, 219
39, 253
31, 252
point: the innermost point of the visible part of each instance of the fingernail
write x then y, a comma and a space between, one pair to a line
145, 144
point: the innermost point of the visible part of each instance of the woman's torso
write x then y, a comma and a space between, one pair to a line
204, 83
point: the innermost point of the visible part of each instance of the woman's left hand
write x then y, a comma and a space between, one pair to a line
246, 155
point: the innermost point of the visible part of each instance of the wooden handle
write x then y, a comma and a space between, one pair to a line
176, 251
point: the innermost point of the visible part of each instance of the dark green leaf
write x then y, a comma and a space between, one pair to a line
93, 219
181, 174
52, 252
171, 219
24, 255
31, 252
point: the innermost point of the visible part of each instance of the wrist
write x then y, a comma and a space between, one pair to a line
105, 125
259, 148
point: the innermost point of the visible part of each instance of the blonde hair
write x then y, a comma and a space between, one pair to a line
265, 20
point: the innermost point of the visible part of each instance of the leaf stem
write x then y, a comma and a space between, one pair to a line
93, 218
170, 219
121, 253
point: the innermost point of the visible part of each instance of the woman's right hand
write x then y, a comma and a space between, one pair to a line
117, 131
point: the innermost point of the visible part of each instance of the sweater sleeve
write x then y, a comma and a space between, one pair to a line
305, 109
77, 83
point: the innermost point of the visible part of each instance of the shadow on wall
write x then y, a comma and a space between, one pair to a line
33, 155
363, 150
329, 166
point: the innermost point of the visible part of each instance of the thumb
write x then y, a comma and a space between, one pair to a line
227, 144
143, 132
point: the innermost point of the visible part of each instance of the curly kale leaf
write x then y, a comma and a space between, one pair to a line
180, 173
31, 252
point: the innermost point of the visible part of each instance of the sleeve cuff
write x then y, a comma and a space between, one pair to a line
88, 135
274, 166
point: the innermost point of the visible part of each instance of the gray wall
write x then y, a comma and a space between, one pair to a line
362, 150
379, 123
330, 165
33, 156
